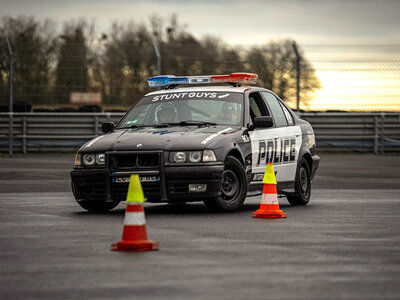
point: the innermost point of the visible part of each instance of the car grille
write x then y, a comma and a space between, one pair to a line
135, 161
142, 163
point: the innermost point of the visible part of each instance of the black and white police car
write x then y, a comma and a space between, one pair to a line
207, 143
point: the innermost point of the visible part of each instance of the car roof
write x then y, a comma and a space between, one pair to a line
222, 88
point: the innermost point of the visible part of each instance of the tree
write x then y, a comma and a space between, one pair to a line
183, 54
128, 61
72, 67
275, 64
33, 46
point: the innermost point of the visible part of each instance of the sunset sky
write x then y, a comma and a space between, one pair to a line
309, 22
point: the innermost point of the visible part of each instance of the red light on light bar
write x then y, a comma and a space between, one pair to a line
244, 78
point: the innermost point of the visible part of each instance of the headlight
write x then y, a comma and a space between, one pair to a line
208, 155
89, 159
78, 161
100, 159
192, 156
179, 157
195, 156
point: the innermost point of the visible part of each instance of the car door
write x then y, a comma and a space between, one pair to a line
287, 138
279, 144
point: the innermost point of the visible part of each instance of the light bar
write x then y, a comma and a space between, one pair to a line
239, 78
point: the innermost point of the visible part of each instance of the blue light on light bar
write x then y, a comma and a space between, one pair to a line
164, 80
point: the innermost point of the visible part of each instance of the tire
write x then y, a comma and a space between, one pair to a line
97, 206
302, 185
233, 188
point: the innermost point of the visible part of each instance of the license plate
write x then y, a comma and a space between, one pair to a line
141, 178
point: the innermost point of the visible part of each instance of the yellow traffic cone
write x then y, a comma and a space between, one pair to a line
269, 207
134, 236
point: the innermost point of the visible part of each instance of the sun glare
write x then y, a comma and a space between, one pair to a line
357, 91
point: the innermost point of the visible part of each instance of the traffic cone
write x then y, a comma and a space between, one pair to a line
269, 207
134, 236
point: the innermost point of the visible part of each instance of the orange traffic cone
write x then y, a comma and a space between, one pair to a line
269, 207
134, 236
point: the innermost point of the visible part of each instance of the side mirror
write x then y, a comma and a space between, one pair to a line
263, 122
107, 127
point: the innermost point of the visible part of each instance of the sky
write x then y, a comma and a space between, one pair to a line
255, 22
235, 21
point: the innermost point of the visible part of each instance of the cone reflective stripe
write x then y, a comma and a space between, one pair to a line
134, 215
134, 223
134, 235
269, 207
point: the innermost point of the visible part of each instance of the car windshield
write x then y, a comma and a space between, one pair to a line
186, 108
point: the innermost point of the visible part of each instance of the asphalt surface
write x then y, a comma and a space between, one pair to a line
344, 245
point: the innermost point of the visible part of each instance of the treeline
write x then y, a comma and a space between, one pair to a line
49, 65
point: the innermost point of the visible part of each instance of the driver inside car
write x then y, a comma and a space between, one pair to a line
231, 112
166, 114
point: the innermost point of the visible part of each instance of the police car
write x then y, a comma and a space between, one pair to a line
201, 142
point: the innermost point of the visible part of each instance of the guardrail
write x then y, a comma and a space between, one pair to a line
51, 131
366, 132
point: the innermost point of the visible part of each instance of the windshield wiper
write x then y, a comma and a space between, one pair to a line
192, 123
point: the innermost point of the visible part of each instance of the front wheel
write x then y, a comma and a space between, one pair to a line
302, 185
97, 206
233, 187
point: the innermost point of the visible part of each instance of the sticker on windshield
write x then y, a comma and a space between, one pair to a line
223, 96
172, 96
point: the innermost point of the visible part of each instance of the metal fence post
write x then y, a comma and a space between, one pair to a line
376, 138
382, 133
298, 70
379, 139
96, 125
10, 110
24, 133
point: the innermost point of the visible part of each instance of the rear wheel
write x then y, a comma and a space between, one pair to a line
233, 188
97, 206
302, 185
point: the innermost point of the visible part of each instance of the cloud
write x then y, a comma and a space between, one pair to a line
236, 21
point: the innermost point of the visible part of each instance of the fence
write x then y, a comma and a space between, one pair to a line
356, 77
352, 77
366, 132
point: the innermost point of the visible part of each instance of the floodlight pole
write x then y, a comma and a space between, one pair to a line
156, 50
11, 79
298, 60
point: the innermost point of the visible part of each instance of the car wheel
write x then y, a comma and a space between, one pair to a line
233, 187
97, 206
302, 185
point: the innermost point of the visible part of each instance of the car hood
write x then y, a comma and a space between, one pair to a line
171, 138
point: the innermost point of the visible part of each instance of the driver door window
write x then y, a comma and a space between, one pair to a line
257, 106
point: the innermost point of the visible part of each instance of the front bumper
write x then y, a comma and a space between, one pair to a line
172, 186
315, 165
